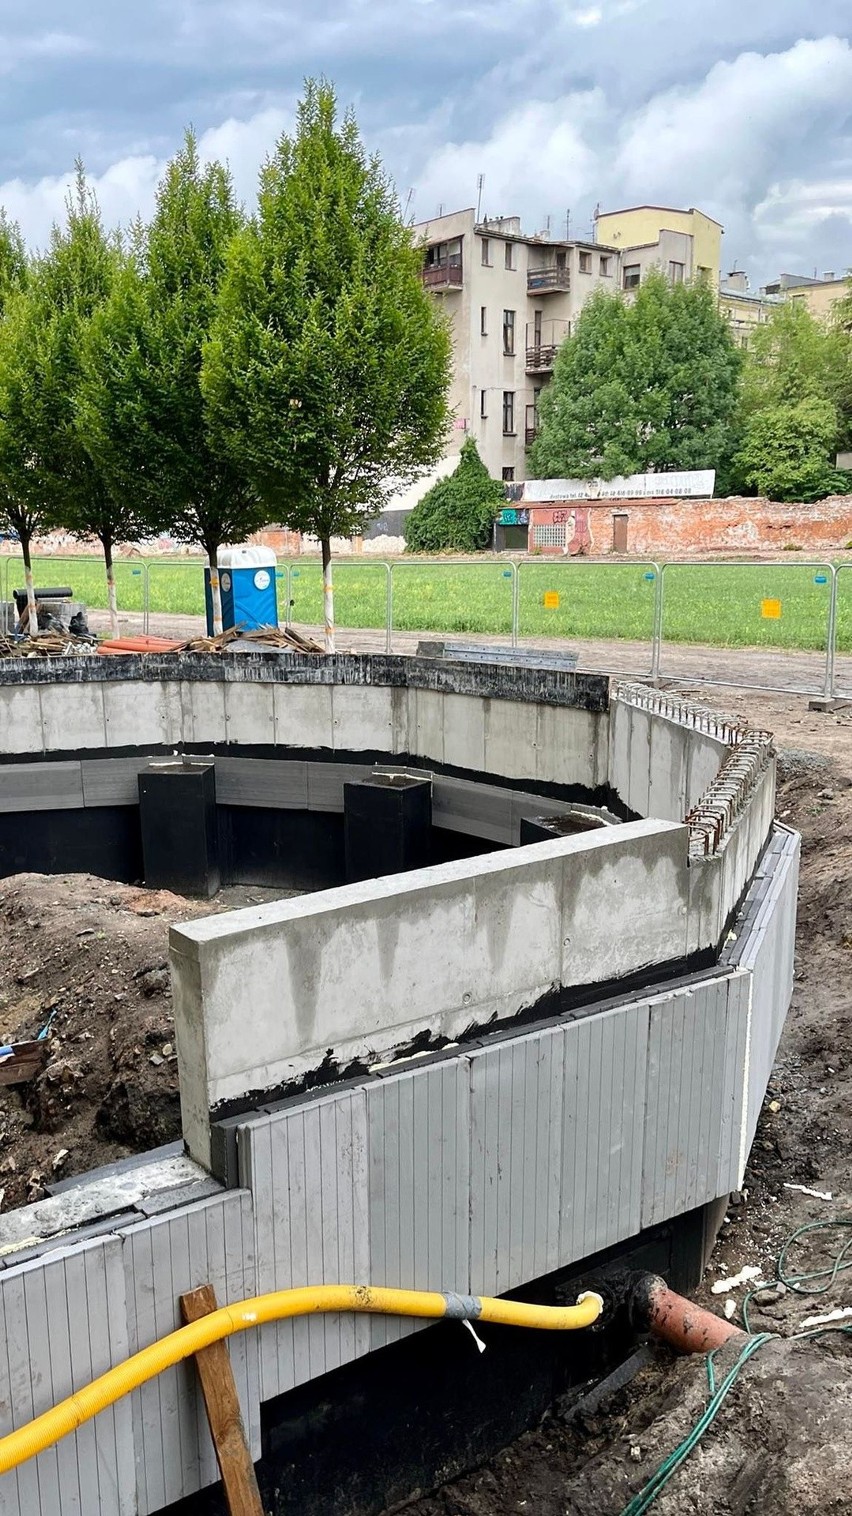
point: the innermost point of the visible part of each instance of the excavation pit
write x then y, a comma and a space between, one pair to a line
488, 1069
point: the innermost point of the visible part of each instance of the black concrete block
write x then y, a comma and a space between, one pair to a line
177, 811
387, 824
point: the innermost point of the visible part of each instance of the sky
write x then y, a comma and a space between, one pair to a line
740, 107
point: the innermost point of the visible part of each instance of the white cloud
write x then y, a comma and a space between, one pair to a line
726, 142
539, 155
567, 110
128, 187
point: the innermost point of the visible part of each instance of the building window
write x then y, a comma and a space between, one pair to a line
483, 320
549, 534
676, 273
508, 475
508, 413
510, 255
483, 404
585, 263
632, 275
606, 271
509, 333
486, 252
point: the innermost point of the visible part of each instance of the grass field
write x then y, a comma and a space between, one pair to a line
719, 606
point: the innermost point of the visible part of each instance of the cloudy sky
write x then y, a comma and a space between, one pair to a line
742, 107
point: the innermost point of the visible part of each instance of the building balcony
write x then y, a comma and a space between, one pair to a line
531, 428
443, 276
543, 341
548, 281
540, 359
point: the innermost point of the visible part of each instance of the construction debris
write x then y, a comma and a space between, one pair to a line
284, 637
64, 644
46, 645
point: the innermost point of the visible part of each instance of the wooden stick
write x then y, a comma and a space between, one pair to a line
223, 1411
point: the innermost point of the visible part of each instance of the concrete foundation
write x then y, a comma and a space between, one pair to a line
489, 1075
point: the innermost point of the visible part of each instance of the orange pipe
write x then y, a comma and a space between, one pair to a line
686, 1327
139, 645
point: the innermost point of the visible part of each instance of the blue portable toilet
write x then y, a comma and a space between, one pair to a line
247, 585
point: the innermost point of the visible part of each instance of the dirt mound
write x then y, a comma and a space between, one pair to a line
86, 961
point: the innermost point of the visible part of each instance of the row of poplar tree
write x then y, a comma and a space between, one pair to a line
210, 372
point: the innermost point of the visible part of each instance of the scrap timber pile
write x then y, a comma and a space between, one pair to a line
66, 645
46, 645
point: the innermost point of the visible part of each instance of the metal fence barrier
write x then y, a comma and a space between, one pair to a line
654, 618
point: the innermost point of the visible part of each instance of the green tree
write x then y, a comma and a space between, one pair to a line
649, 385
457, 513
142, 413
327, 372
49, 477
785, 450
793, 357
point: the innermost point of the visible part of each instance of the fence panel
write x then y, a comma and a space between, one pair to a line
361, 599
176, 592
86, 575
841, 660
452, 599
606, 612
761, 625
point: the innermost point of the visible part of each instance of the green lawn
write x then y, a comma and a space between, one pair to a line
702, 604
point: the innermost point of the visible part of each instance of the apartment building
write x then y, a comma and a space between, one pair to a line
513, 297
743, 308
819, 296
684, 244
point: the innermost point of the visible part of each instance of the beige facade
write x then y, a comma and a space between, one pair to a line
744, 309
685, 244
819, 296
513, 298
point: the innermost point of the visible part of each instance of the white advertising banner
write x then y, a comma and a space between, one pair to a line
694, 483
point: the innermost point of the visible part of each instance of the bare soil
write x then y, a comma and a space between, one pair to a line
782, 1442
88, 959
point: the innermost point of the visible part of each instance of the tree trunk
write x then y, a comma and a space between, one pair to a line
215, 589
327, 595
32, 612
111, 595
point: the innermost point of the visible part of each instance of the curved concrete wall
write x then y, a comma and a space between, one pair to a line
517, 724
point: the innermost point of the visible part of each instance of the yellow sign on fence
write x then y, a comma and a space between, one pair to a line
551, 600
771, 609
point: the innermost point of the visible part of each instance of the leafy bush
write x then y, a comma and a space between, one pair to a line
457, 514
785, 452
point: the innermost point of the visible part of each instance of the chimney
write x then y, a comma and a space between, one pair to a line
736, 282
829, 274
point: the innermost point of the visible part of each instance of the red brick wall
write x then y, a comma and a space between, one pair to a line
673, 528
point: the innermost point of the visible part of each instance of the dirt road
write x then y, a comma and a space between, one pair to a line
744, 667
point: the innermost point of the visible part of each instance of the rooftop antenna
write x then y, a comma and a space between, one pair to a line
568, 225
547, 227
480, 180
409, 199
440, 209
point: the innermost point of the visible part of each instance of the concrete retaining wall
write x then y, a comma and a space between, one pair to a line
357, 972
512, 723
476, 1170
658, 765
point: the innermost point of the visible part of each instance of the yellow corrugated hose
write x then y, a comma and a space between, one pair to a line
66, 1417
